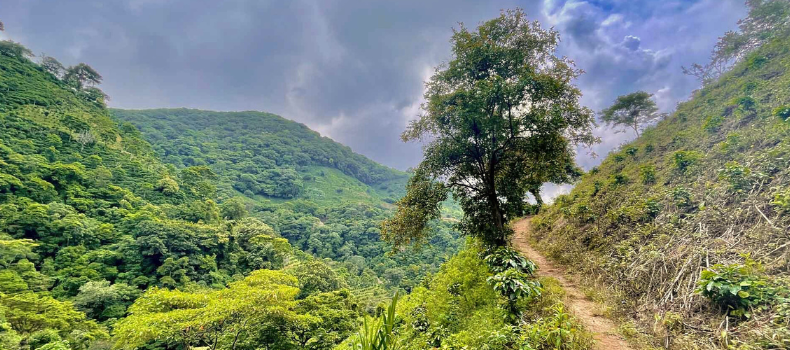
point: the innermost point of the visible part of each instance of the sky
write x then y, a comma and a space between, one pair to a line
354, 70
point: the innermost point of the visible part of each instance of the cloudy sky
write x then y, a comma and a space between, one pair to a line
354, 70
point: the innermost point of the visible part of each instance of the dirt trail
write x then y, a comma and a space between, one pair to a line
604, 330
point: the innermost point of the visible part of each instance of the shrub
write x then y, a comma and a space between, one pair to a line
782, 112
745, 103
597, 186
556, 331
737, 288
648, 173
782, 200
505, 258
681, 196
713, 123
619, 158
631, 151
737, 176
686, 159
515, 285
652, 208
649, 148
619, 179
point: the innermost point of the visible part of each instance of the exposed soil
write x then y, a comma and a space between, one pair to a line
586, 311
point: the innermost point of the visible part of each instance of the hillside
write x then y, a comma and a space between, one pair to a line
93, 226
691, 221
265, 155
324, 198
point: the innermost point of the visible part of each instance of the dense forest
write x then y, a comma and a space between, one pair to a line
178, 229
91, 219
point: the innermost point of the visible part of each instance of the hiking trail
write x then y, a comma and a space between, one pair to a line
586, 311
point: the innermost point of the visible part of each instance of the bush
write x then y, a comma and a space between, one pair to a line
631, 151
652, 208
557, 331
737, 288
737, 176
648, 174
619, 179
681, 196
782, 200
782, 112
713, 123
686, 159
505, 258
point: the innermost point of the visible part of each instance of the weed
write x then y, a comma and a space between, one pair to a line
682, 197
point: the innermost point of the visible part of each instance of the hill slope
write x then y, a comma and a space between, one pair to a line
701, 199
264, 154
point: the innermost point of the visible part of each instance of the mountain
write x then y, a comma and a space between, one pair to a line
690, 221
97, 234
262, 154
324, 198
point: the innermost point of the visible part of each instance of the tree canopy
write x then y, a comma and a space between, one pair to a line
500, 118
632, 110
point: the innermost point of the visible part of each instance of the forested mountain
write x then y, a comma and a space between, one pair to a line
321, 196
685, 230
263, 154
91, 221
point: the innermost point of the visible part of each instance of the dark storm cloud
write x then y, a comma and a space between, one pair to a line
353, 70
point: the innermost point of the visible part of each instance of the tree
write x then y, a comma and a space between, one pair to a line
501, 115
16, 50
767, 19
53, 66
632, 110
82, 75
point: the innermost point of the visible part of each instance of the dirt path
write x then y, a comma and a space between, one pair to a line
604, 330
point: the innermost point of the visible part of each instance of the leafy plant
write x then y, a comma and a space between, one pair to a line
686, 159
713, 123
782, 112
379, 334
515, 285
737, 287
648, 173
556, 332
782, 200
505, 258
681, 196
737, 176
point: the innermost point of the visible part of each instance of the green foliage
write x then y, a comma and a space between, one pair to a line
633, 110
507, 258
379, 334
686, 159
737, 288
782, 112
737, 176
648, 173
713, 123
555, 332
782, 200
478, 124
421, 204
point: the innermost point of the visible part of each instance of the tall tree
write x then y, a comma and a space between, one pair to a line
82, 75
502, 115
632, 110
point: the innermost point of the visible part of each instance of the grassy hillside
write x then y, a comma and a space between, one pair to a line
688, 226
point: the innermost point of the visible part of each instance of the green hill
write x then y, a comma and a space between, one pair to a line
92, 221
691, 221
262, 154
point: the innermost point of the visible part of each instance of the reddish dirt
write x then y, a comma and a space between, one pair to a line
586, 311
